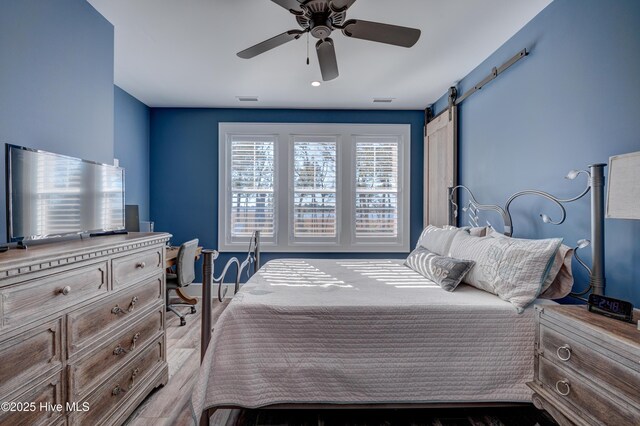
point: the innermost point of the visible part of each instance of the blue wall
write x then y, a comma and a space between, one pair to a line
575, 100
184, 165
131, 147
56, 80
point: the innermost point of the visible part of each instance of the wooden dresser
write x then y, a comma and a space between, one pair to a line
587, 367
82, 326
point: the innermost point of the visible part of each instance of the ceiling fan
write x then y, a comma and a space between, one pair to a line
320, 18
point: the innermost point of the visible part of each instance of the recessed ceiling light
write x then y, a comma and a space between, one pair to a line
315, 83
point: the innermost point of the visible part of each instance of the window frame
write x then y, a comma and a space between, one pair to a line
346, 136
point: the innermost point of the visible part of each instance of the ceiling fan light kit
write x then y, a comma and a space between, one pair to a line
320, 18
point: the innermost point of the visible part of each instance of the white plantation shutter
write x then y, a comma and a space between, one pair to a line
376, 198
252, 170
314, 188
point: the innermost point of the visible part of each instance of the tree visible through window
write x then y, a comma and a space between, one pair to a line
314, 181
315, 187
252, 191
376, 212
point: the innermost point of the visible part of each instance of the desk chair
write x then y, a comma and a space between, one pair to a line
185, 274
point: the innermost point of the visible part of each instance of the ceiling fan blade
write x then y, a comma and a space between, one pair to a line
327, 59
382, 33
273, 42
289, 4
340, 5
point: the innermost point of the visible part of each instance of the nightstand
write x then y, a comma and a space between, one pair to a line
587, 367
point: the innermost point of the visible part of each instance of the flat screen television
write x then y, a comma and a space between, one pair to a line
52, 195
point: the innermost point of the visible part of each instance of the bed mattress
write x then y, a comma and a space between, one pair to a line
363, 332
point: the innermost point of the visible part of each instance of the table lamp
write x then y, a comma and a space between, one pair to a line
623, 195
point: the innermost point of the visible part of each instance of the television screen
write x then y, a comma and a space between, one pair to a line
53, 195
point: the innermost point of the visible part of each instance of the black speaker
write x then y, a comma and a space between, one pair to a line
131, 218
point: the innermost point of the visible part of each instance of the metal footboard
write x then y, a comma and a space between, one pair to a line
209, 280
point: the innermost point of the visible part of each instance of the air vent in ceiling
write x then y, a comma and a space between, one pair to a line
247, 98
383, 100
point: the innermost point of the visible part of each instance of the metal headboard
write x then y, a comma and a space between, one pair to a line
209, 280
595, 185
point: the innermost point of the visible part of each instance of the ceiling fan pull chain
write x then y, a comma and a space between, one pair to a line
307, 48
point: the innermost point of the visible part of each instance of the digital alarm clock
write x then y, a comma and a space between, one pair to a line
610, 307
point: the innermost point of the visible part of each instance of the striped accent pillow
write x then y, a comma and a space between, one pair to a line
447, 272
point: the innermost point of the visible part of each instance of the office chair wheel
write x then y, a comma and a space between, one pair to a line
183, 321
193, 309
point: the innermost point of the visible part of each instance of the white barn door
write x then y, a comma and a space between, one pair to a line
440, 166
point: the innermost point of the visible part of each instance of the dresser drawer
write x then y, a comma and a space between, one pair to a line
107, 360
85, 324
47, 392
130, 269
27, 356
122, 385
591, 363
30, 301
577, 391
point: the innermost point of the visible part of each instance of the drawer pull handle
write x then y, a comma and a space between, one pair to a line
117, 390
65, 290
140, 265
567, 351
134, 373
565, 383
132, 305
119, 350
117, 310
134, 340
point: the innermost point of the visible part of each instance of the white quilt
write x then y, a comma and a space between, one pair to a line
363, 331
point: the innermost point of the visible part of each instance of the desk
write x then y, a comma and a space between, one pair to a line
170, 259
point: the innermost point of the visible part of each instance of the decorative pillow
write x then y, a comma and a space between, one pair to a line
445, 271
437, 240
479, 231
511, 268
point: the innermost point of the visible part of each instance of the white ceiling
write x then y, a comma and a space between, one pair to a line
183, 53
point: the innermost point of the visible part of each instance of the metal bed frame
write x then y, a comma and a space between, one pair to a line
595, 186
209, 280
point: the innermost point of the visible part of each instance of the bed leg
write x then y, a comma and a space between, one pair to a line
207, 283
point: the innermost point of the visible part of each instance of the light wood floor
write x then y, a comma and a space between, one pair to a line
169, 405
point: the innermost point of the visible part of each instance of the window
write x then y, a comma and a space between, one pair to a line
252, 195
376, 200
315, 214
314, 187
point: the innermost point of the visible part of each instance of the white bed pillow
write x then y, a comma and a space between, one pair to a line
437, 240
562, 281
511, 268
559, 281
